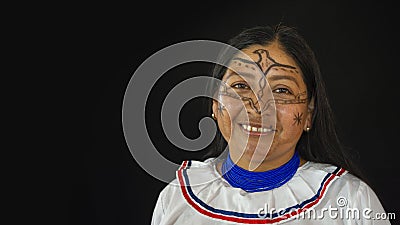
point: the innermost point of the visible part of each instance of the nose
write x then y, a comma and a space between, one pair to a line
253, 105
261, 107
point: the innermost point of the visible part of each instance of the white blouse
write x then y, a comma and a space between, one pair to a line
317, 194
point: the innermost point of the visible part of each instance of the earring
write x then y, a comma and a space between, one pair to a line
307, 129
213, 116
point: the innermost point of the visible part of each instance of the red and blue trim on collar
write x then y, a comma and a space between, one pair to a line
248, 218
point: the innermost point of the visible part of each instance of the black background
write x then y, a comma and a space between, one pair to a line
355, 43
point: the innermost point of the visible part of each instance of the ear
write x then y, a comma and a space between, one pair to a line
310, 112
215, 108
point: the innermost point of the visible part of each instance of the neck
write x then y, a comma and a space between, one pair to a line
251, 181
269, 163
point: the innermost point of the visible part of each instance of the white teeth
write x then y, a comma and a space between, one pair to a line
256, 129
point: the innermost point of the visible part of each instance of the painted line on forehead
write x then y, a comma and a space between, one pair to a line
233, 71
252, 64
294, 71
242, 74
244, 61
277, 65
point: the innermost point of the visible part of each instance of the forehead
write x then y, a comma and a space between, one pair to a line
275, 52
271, 59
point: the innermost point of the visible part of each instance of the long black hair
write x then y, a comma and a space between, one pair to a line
321, 144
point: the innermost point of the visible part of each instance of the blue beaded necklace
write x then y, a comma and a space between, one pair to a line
259, 181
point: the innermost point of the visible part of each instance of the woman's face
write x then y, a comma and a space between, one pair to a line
247, 120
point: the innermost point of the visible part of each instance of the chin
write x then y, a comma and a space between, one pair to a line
254, 156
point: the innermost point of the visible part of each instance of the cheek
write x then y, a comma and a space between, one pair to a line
227, 116
224, 124
291, 118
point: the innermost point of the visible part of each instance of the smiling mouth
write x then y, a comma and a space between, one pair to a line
256, 130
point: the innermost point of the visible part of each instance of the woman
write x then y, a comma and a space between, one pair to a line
284, 163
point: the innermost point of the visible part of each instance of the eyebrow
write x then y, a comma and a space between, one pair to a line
283, 77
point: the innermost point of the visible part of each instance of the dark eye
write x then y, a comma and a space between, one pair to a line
282, 91
240, 86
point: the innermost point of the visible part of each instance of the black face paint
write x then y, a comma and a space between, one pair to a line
265, 60
297, 99
265, 63
297, 119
